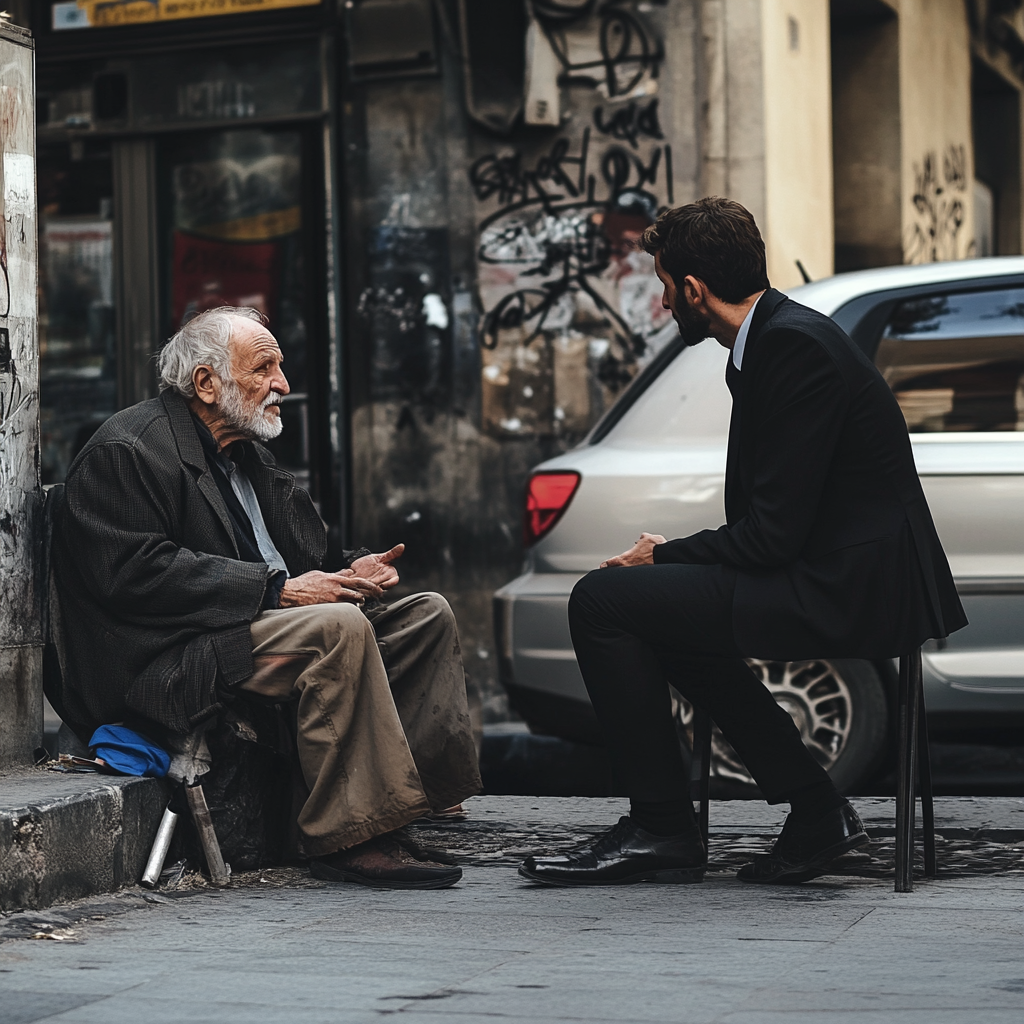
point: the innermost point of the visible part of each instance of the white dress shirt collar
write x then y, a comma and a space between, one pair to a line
741, 335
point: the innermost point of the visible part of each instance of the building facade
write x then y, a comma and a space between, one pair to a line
434, 201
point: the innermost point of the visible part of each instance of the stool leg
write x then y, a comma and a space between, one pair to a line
220, 874
906, 758
700, 768
924, 775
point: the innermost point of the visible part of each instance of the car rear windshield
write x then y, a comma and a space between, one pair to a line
956, 361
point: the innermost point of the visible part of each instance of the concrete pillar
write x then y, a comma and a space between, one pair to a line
935, 127
21, 585
766, 124
798, 140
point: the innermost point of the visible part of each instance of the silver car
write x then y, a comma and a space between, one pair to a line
949, 339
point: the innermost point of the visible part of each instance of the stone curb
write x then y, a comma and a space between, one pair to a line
63, 837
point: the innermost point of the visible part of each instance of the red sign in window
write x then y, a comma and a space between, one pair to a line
209, 273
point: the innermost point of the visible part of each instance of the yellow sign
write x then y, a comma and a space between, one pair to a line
260, 227
106, 13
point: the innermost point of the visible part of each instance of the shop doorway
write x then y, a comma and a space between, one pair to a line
138, 235
233, 234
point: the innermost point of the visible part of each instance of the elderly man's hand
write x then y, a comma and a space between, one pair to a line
641, 553
327, 588
378, 568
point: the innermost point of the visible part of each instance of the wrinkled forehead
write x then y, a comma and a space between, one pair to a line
251, 343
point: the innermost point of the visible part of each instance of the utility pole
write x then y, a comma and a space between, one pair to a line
22, 583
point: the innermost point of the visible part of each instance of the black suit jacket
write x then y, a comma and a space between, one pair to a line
827, 524
155, 603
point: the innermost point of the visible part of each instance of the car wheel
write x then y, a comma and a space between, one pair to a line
839, 707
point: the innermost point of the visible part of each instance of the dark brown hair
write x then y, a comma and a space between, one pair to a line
714, 240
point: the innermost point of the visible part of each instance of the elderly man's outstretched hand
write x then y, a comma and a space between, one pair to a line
641, 553
378, 568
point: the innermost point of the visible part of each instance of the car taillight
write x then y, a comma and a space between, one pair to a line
547, 497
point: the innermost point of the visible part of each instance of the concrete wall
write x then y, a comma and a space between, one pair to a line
21, 711
798, 139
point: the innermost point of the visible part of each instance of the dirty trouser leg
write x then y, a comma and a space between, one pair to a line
419, 643
352, 748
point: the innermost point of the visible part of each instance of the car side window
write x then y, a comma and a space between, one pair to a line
956, 361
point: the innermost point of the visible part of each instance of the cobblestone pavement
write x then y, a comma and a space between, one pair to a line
484, 841
280, 946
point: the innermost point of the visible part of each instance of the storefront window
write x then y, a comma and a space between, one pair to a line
78, 372
235, 238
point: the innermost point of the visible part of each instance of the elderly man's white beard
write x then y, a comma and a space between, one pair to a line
250, 420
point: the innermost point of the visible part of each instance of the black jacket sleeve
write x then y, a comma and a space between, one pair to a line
794, 408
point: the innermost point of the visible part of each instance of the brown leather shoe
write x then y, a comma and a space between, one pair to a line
384, 862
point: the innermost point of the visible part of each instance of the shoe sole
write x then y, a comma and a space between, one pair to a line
443, 820
673, 876
326, 874
814, 868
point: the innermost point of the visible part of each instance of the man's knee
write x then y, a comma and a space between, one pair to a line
585, 599
342, 622
433, 609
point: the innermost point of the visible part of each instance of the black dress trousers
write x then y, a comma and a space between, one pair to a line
638, 628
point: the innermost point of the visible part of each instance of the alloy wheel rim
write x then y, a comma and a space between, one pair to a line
814, 694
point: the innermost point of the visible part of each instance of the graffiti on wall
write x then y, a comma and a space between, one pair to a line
626, 50
940, 190
569, 303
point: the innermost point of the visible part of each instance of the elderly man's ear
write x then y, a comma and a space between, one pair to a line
207, 385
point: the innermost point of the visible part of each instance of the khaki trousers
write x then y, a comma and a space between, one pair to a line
384, 732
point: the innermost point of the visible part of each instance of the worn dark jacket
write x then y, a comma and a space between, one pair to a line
155, 603
827, 524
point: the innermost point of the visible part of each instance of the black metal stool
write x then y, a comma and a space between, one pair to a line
912, 737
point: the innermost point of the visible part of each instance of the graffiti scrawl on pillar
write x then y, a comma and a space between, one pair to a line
940, 189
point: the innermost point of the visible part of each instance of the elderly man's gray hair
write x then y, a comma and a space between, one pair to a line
203, 341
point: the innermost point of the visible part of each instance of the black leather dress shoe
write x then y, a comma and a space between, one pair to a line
623, 855
803, 852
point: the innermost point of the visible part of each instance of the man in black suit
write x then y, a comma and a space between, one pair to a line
828, 551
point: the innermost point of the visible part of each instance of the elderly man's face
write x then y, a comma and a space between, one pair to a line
250, 402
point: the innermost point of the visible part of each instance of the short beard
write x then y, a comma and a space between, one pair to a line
247, 417
693, 328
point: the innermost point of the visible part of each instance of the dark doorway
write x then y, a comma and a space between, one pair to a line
995, 120
866, 134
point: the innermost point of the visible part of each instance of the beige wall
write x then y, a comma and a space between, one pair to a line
935, 124
798, 139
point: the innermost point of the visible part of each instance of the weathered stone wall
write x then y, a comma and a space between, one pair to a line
456, 233
20, 583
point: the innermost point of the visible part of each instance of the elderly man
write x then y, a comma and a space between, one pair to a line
189, 570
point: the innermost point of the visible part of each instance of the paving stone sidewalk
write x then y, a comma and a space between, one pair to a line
281, 947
